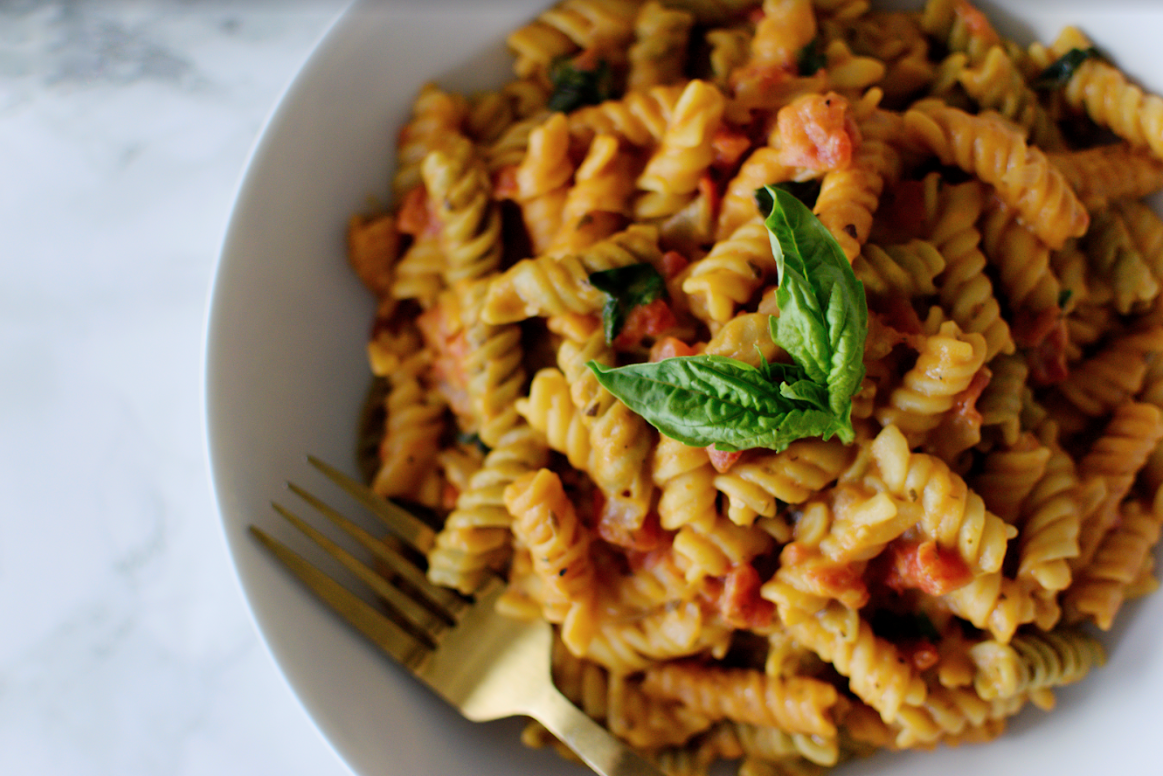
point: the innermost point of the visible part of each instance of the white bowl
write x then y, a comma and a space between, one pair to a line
286, 371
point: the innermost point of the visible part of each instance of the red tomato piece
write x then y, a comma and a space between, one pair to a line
414, 215
670, 347
729, 145
722, 460
818, 132
505, 182
926, 567
673, 263
645, 320
740, 602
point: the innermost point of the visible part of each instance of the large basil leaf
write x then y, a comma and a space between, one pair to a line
702, 400
823, 318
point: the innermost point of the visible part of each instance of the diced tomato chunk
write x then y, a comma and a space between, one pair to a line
505, 182
645, 320
670, 347
740, 602
447, 339
729, 145
976, 22
588, 59
673, 263
926, 567
449, 496
416, 216
965, 403
1045, 336
921, 653
842, 581
723, 460
626, 527
818, 132
1031, 327
709, 190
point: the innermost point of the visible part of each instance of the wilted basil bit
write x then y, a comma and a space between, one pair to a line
811, 58
472, 440
1062, 70
626, 288
1064, 297
574, 87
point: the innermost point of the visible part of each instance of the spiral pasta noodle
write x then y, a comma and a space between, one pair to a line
797, 705
436, 114
471, 224
684, 152
945, 365
1022, 175
1118, 562
658, 56
849, 197
415, 422
475, 535
966, 292
1049, 532
1112, 101
950, 513
732, 272
555, 285
1103, 174
1133, 432
544, 520
1033, 662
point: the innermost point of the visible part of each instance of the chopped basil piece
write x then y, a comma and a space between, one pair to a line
811, 58
574, 87
1062, 70
626, 288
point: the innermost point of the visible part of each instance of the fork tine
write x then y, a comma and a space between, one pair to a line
443, 602
364, 617
410, 614
406, 526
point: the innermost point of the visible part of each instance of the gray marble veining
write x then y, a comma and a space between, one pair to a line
127, 648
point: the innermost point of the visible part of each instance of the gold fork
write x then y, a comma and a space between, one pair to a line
487, 665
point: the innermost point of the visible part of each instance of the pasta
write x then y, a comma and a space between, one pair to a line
903, 555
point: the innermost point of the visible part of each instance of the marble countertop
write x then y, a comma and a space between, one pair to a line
127, 647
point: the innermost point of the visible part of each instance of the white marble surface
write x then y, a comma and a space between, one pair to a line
126, 647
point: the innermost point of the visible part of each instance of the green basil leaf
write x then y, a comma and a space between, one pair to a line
473, 439
625, 289
807, 392
703, 400
777, 373
1059, 73
823, 318
574, 87
811, 58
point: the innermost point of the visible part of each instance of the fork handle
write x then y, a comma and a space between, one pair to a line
590, 741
